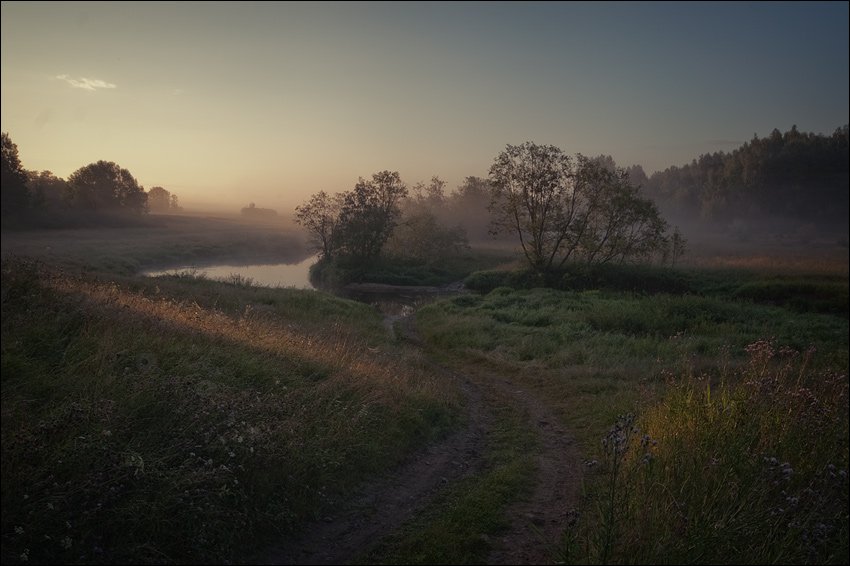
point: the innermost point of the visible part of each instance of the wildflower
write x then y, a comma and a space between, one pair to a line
240, 439
107, 433
66, 543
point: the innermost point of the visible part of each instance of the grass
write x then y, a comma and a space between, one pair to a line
681, 364
166, 241
752, 469
397, 271
180, 419
167, 422
456, 528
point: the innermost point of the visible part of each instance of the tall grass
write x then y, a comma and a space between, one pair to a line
748, 469
140, 425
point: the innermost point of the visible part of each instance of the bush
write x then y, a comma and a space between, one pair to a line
580, 277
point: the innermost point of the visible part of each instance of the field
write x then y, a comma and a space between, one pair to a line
634, 415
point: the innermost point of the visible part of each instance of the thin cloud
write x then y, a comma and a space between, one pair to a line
86, 84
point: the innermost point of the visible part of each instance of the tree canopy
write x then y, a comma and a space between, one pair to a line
564, 208
13, 182
795, 176
369, 213
105, 186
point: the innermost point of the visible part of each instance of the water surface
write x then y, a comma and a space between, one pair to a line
269, 275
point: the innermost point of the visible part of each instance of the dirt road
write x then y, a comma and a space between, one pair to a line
536, 523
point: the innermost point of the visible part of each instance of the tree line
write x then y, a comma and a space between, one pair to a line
794, 177
101, 187
560, 208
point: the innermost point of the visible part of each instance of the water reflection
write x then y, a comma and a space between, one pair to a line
271, 275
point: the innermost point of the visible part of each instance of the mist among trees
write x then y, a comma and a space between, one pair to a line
783, 182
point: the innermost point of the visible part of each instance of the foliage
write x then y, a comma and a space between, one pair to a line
796, 177
644, 279
355, 224
468, 206
420, 236
563, 208
105, 186
48, 190
13, 179
752, 469
320, 216
162, 200
369, 214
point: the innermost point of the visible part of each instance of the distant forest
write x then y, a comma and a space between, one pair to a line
793, 184
793, 179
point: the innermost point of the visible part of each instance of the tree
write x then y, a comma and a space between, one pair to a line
622, 225
562, 208
106, 186
430, 197
420, 235
13, 182
533, 195
159, 199
369, 214
468, 206
47, 190
320, 216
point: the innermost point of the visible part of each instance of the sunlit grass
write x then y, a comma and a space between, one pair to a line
749, 469
144, 426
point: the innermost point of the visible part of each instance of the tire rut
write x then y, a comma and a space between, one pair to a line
384, 504
381, 506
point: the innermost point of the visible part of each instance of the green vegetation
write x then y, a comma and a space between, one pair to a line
337, 272
456, 527
727, 411
792, 181
752, 469
163, 241
177, 420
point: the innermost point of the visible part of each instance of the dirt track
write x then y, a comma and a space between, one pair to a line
375, 511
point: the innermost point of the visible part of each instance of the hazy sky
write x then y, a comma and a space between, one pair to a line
269, 102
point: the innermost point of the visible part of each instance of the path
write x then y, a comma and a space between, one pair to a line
384, 504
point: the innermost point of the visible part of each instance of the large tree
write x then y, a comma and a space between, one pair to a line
47, 190
562, 208
13, 183
369, 214
106, 186
320, 216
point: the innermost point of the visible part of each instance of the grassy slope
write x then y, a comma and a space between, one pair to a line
183, 420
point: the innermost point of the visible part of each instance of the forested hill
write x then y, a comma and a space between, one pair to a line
794, 178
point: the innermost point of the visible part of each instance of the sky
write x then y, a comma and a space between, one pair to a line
265, 102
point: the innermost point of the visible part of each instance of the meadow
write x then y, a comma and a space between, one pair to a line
710, 404
178, 419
